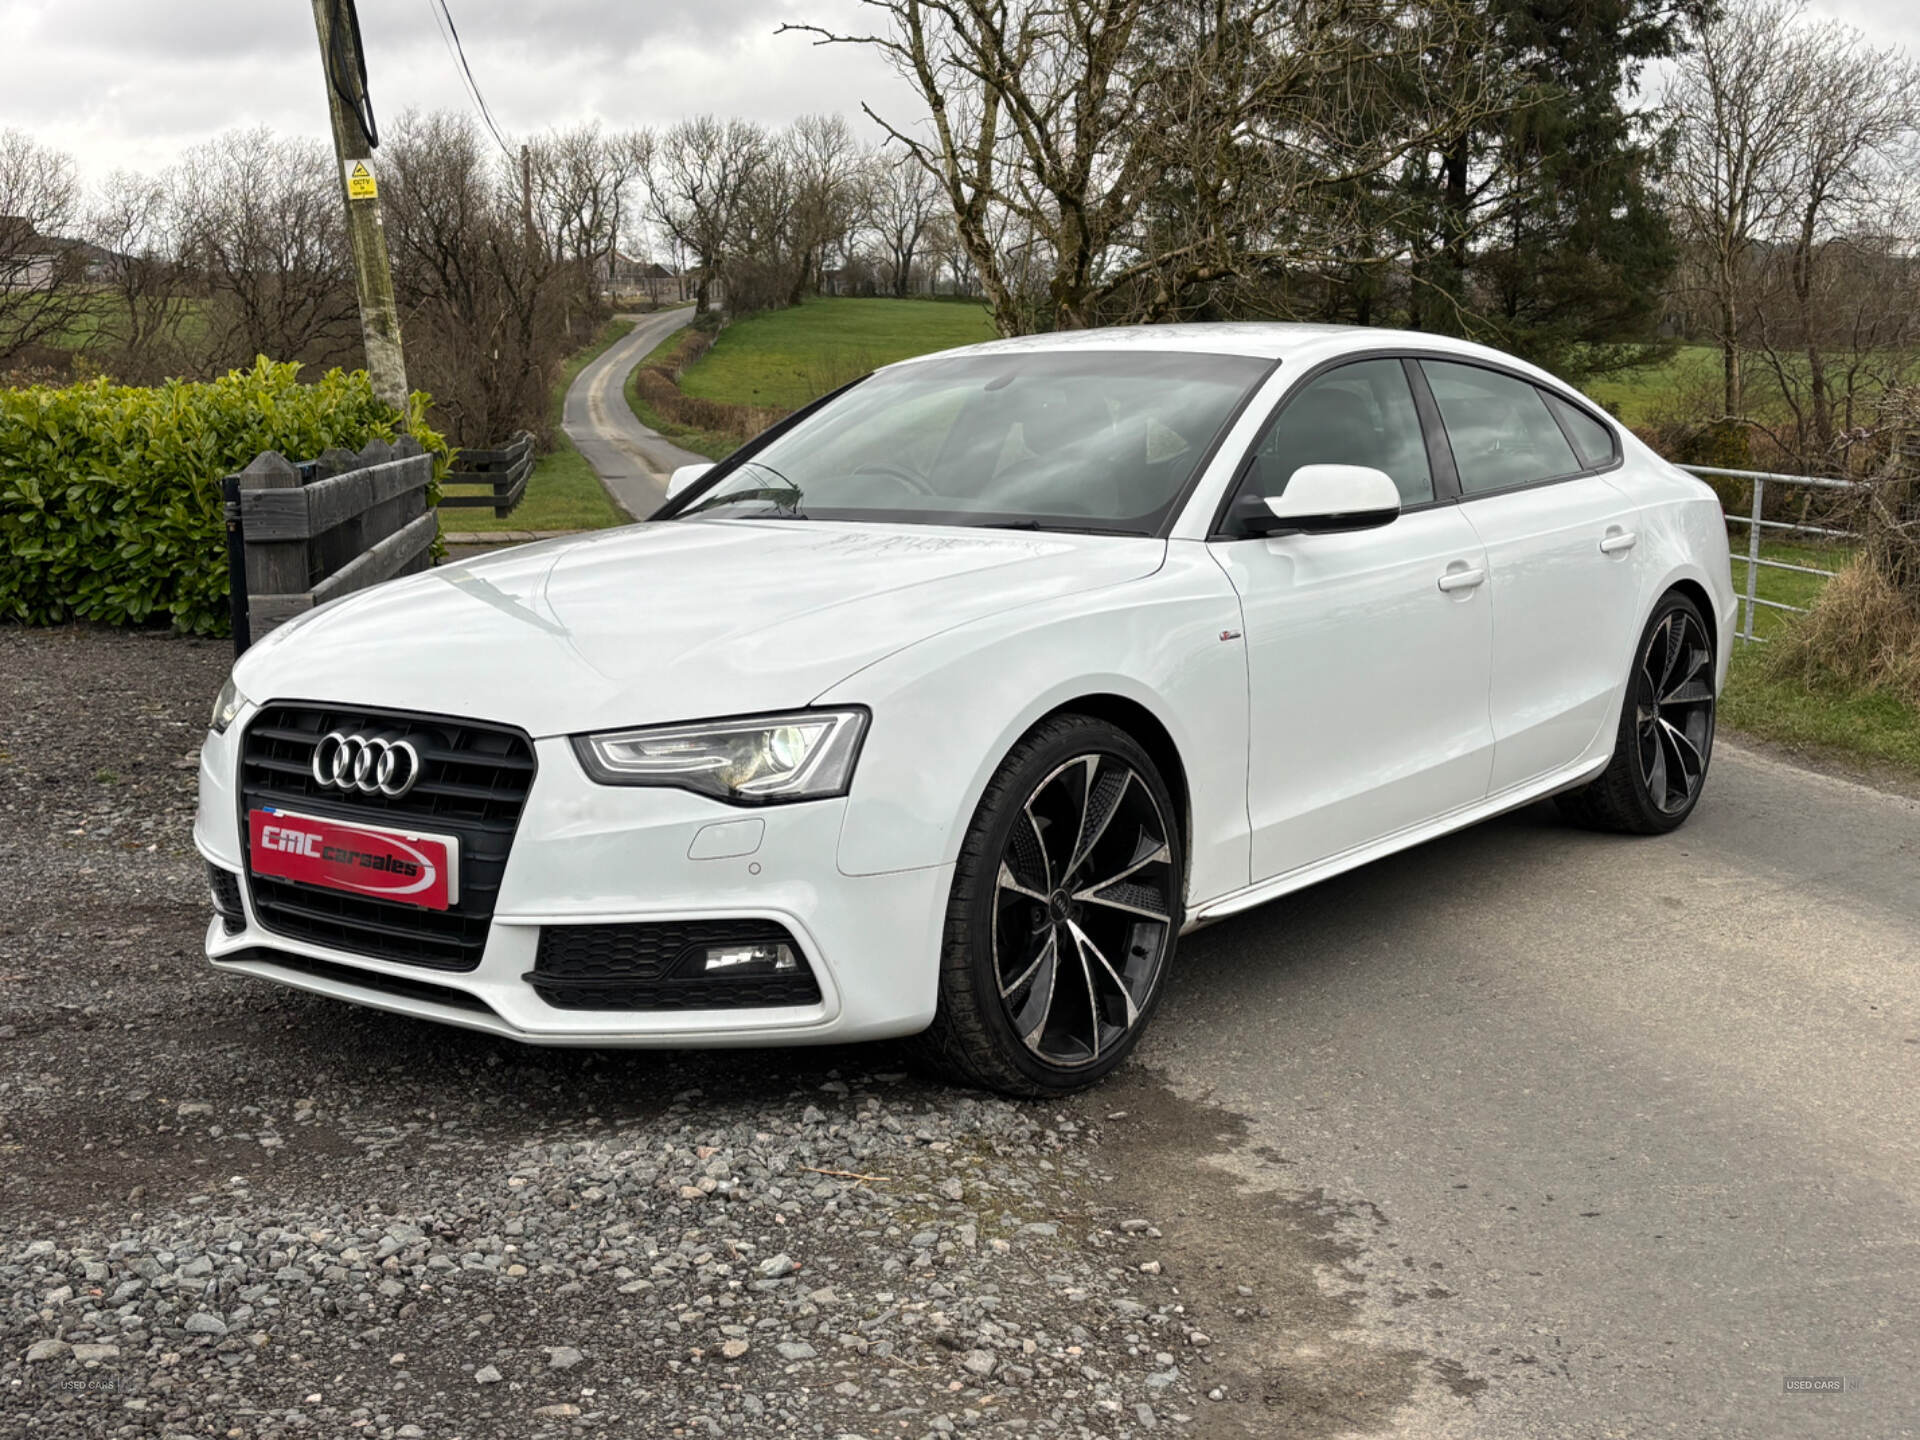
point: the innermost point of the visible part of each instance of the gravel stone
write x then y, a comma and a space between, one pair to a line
268, 1215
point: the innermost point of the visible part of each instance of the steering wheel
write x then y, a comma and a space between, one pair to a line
899, 474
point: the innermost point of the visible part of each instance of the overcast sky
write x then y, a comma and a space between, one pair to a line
133, 83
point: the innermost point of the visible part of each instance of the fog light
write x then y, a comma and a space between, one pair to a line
750, 960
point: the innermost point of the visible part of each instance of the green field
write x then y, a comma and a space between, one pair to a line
564, 492
1637, 396
784, 358
1690, 384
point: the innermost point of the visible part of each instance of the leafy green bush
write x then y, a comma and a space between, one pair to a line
110, 495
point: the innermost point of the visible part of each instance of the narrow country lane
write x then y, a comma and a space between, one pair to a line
631, 459
1618, 1133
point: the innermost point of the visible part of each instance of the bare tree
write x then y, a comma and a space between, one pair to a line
831, 191
41, 272
1849, 217
1144, 153
701, 171
906, 202
261, 221
1741, 101
583, 184
143, 289
487, 306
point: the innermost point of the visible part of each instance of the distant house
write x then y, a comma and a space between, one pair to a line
623, 275
32, 261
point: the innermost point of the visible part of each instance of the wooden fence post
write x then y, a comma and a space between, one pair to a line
274, 567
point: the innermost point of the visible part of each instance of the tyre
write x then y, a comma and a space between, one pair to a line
1665, 742
1066, 905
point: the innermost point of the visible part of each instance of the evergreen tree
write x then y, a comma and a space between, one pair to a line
1539, 230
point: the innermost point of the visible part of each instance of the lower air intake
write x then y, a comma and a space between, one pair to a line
663, 965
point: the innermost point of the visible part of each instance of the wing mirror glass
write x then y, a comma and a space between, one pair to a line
1320, 500
683, 477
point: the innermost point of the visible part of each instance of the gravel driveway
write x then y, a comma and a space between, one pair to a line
227, 1209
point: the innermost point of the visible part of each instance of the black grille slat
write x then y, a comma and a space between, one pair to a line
630, 967
296, 908
225, 886
473, 786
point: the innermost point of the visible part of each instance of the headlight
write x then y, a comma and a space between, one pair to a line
227, 704
807, 755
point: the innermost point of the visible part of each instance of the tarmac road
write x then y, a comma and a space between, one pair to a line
633, 460
1615, 1134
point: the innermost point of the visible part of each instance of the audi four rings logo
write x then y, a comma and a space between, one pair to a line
367, 763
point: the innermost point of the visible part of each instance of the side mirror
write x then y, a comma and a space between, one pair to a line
1320, 500
683, 477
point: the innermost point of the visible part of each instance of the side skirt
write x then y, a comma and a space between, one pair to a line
1313, 873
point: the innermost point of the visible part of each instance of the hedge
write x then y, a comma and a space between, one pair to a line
110, 494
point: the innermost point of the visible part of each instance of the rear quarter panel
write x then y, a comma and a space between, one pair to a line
1683, 536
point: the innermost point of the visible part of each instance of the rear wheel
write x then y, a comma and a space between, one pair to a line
1665, 741
1063, 916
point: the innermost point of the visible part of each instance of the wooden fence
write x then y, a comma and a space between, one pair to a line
299, 535
503, 472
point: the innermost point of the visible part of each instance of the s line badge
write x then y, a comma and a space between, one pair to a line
398, 865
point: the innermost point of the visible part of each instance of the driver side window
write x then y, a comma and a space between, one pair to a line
1358, 414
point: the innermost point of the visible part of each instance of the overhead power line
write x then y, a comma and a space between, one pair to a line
346, 62
450, 37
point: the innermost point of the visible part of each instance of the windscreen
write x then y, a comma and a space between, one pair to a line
1102, 441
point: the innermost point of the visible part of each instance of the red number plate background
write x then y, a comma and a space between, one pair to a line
398, 865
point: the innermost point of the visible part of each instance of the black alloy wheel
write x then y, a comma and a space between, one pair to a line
1665, 741
1673, 711
1083, 901
1066, 907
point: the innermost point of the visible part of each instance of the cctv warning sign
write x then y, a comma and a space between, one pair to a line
360, 182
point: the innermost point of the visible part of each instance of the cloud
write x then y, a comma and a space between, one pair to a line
132, 85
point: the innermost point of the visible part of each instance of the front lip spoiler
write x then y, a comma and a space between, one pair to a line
386, 986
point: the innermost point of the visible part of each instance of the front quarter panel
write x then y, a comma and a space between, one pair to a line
947, 711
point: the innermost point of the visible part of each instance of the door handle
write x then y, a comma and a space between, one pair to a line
1462, 579
1616, 541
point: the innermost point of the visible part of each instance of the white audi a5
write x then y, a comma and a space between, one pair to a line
947, 705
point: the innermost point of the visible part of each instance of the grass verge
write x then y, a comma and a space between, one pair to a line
771, 363
714, 444
784, 358
564, 492
1827, 722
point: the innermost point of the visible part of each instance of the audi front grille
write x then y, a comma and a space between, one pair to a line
472, 785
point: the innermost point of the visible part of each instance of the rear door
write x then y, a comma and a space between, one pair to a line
1559, 540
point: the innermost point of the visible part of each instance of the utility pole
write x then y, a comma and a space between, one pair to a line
526, 192
360, 188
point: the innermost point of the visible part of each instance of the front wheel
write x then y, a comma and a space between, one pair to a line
1065, 907
1665, 740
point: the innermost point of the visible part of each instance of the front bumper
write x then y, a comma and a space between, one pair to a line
593, 854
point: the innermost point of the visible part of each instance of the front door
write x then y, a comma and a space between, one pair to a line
1367, 679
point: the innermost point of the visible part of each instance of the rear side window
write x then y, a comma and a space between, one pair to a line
1500, 429
1593, 440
